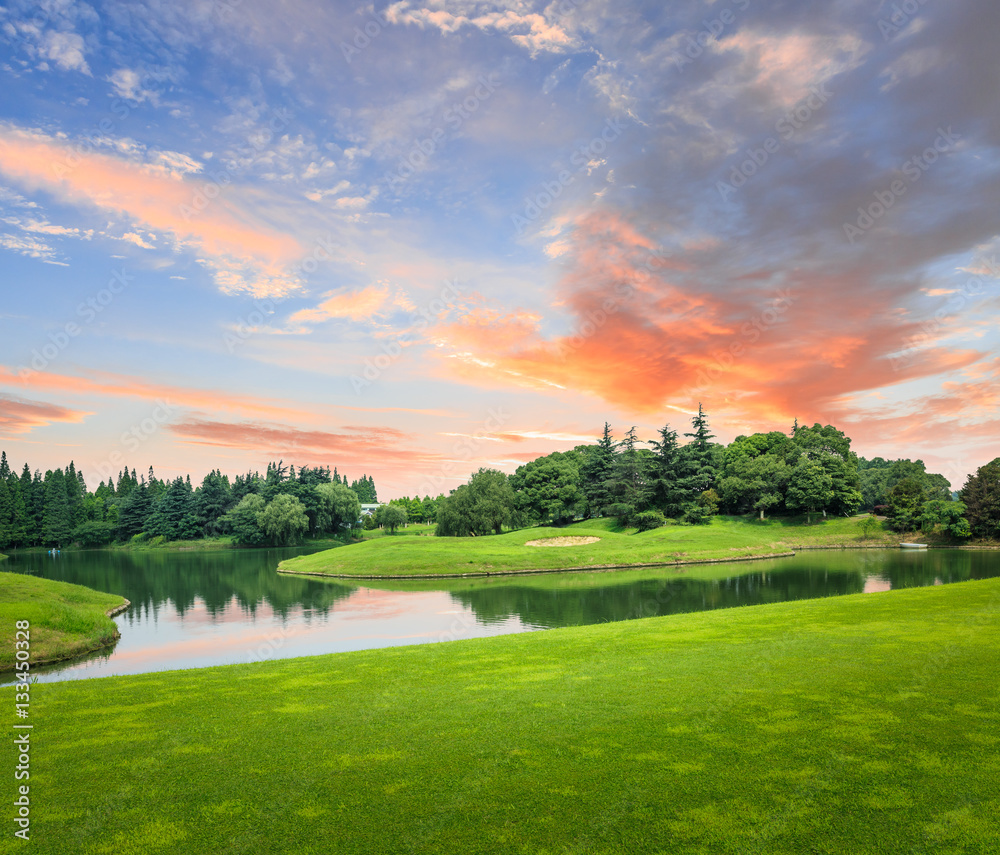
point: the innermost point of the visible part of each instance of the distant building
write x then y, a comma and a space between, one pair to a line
368, 510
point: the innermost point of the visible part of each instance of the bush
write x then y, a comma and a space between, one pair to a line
648, 520
94, 533
141, 537
623, 512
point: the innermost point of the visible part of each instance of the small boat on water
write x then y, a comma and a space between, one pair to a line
913, 546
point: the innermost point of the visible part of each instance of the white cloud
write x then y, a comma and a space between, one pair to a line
65, 50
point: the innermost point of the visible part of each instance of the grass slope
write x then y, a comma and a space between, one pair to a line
863, 724
725, 538
66, 620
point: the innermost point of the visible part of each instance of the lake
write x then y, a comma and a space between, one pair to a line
200, 608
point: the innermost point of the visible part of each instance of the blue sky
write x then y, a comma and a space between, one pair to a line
413, 239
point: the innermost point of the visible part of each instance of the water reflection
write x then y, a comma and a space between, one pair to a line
207, 608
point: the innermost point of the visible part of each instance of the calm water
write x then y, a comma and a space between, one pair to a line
197, 609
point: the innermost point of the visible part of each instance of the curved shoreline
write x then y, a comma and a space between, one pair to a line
593, 568
117, 610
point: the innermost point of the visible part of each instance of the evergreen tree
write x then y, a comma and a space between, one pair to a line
4, 467
629, 486
668, 493
6, 514
174, 515
698, 465
212, 499
596, 472
981, 495
133, 513
57, 523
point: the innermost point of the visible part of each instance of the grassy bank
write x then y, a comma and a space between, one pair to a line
726, 538
66, 620
862, 724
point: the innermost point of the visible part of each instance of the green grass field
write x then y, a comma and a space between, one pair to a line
66, 620
862, 724
727, 538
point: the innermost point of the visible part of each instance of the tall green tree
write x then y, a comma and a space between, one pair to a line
666, 475
57, 524
243, 521
482, 506
981, 495
698, 458
283, 520
339, 506
810, 488
596, 472
548, 489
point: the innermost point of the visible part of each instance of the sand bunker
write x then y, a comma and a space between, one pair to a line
562, 541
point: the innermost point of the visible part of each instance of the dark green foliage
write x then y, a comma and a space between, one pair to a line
283, 520
699, 470
665, 473
648, 520
242, 521
391, 516
549, 489
338, 505
365, 490
175, 515
905, 501
482, 506
133, 513
596, 470
57, 525
981, 495
212, 499
949, 515
93, 533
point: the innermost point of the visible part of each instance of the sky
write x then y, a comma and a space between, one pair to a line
412, 239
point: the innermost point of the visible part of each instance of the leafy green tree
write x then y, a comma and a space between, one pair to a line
755, 473
284, 520
950, 515
981, 496
810, 487
339, 507
906, 501
391, 516
482, 506
243, 521
548, 489
94, 533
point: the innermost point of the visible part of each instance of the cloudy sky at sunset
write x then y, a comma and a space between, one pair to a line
416, 238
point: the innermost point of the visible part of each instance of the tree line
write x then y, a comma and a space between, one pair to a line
276, 508
809, 470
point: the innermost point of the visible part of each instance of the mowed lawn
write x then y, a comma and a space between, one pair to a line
859, 724
725, 538
65, 620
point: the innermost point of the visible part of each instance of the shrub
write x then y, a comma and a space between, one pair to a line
648, 520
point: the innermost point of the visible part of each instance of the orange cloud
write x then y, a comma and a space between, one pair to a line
358, 306
244, 253
18, 415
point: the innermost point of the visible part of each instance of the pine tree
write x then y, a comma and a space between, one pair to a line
596, 472
57, 525
4, 467
668, 493
699, 468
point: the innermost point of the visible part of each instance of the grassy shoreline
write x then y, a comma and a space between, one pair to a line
725, 539
863, 724
66, 620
